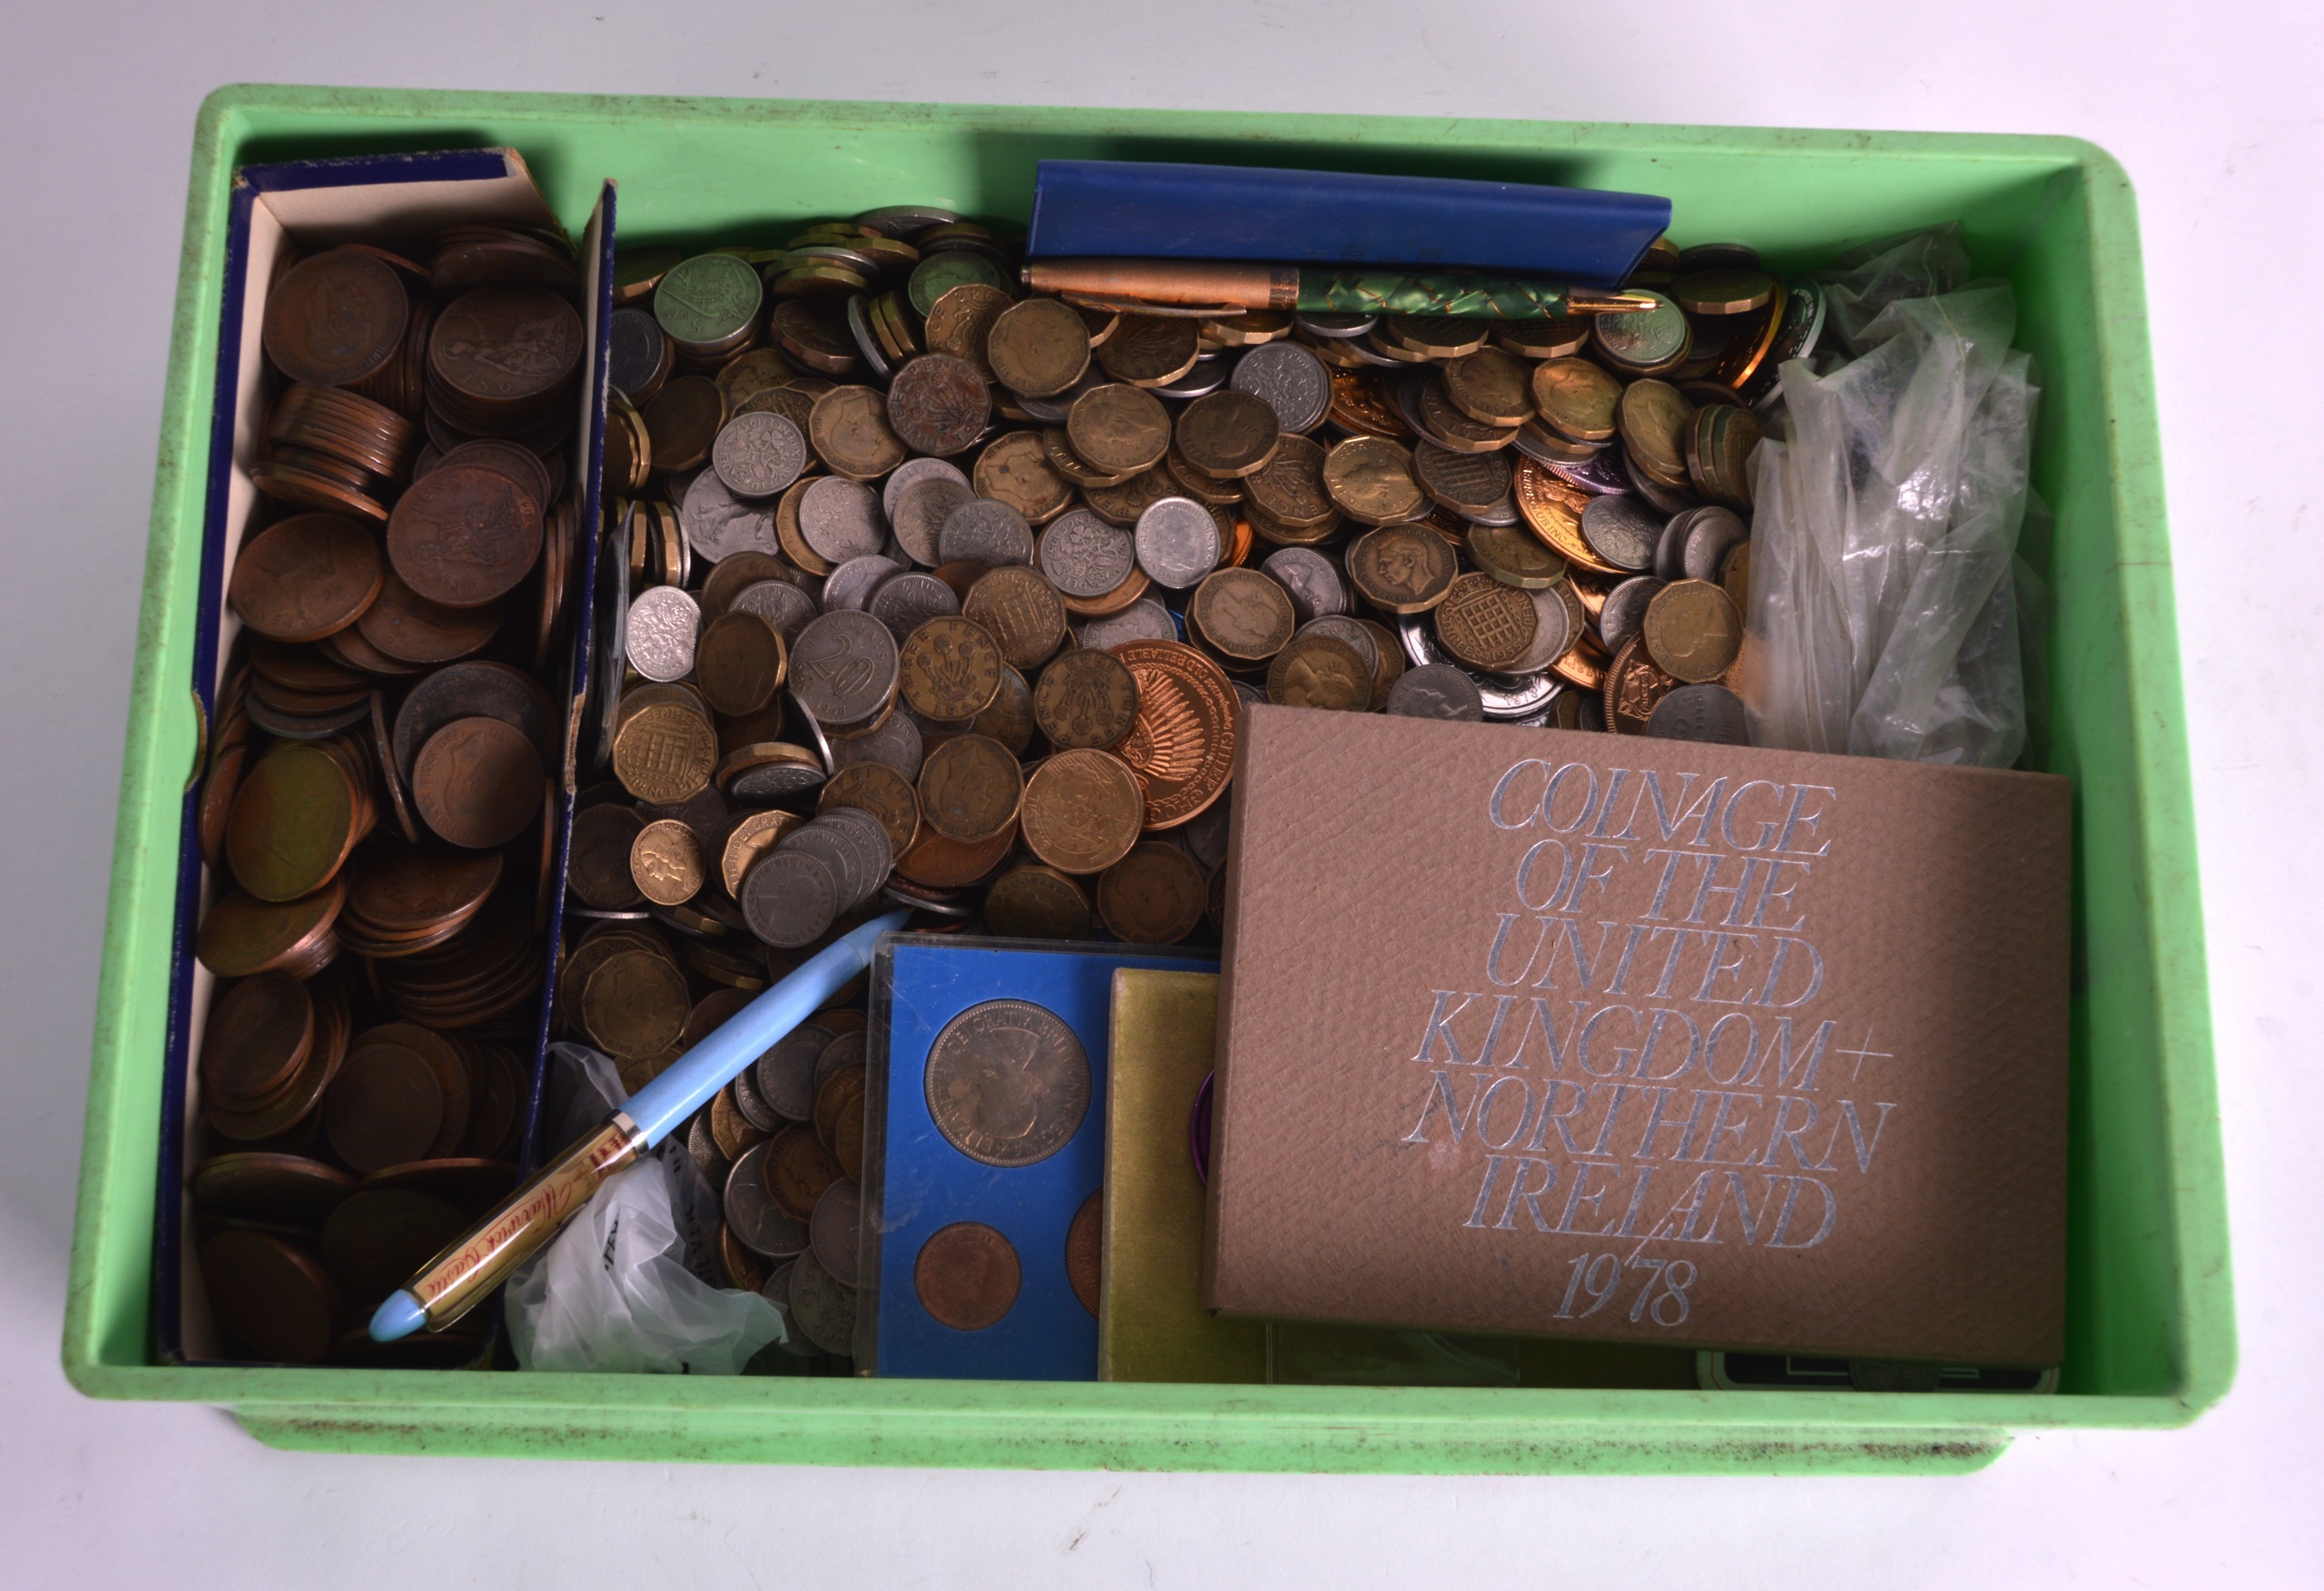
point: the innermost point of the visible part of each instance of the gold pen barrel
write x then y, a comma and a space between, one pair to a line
1169, 281
456, 1281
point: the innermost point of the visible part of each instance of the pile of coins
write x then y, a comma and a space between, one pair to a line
380, 781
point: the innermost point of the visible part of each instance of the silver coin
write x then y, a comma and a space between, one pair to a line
1362, 348
789, 898
1501, 513
1312, 579
839, 854
1437, 690
1335, 325
983, 531
1624, 614
702, 1146
758, 455
1602, 476
824, 1307
833, 1228
875, 852
786, 1073
905, 220
840, 520
1715, 533
719, 525
1177, 541
1052, 411
918, 513
676, 484
845, 1051
1510, 697
781, 604
1623, 531
1552, 633
1545, 716
1540, 451
1670, 547
757, 1222
1643, 338
849, 587
777, 1292
1084, 556
815, 734
1291, 380
910, 474
1342, 628
1406, 390
859, 326
1701, 713
1205, 836
1208, 375
660, 633
1248, 695
843, 668
1661, 497
755, 1109
896, 743
613, 601
777, 782
905, 602
1143, 620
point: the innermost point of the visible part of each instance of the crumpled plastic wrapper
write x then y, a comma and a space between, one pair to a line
632, 1283
1889, 611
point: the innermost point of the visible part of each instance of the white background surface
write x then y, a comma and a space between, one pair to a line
2215, 108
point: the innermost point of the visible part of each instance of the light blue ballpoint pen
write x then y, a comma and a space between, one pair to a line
456, 1281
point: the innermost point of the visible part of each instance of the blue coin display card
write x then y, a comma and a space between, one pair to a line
987, 1136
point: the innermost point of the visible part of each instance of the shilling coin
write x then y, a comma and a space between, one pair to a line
1623, 531
1177, 542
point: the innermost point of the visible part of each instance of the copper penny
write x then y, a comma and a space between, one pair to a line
739, 663
939, 863
967, 1276
408, 628
386, 1106
464, 535
1085, 1243
243, 936
306, 577
272, 1297
969, 788
1082, 811
478, 782
506, 344
1182, 746
1008, 1083
1154, 895
258, 1037
336, 318
1085, 698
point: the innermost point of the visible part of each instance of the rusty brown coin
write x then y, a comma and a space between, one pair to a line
1154, 895
408, 628
478, 782
272, 1295
464, 535
1036, 902
967, 1276
1085, 698
1633, 686
259, 1035
336, 318
243, 936
969, 788
386, 1107
306, 577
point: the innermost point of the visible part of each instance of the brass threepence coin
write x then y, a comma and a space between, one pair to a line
1402, 568
1036, 902
1242, 614
1038, 348
1484, 623
1229, 434
1008, 1083
1153, 896
1118, 430
969, 788
1321, 671
1370, 480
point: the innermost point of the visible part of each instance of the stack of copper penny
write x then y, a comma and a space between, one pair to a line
379, 790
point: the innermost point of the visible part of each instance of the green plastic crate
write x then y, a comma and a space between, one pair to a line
2150, 1320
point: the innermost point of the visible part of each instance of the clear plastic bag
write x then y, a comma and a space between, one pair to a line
630, 1285
1884, 617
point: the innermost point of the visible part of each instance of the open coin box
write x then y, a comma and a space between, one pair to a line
397, 202
986, 1147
